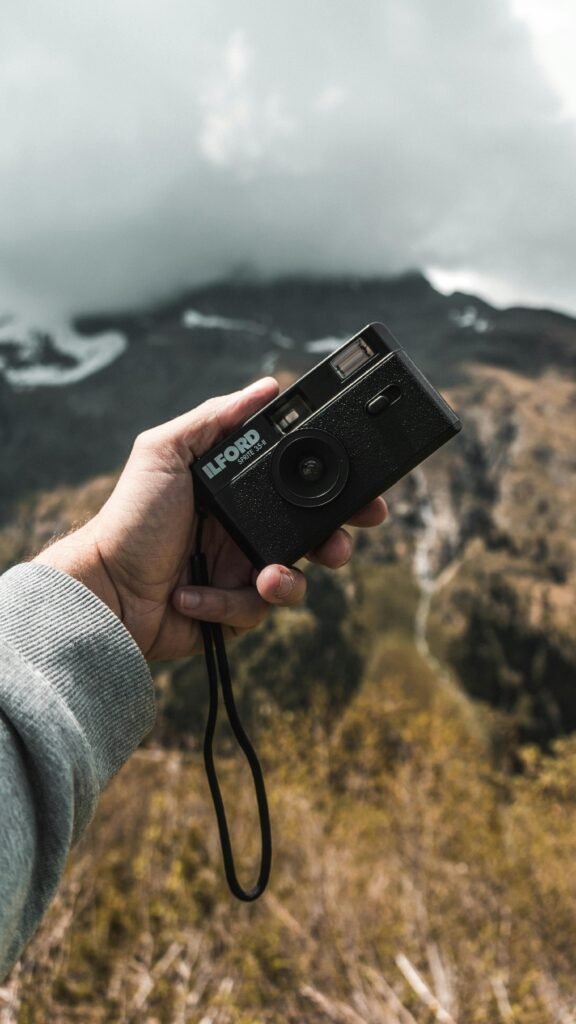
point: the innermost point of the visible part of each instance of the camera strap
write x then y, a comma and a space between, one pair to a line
218, 671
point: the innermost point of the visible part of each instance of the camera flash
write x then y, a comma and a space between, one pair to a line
351, 358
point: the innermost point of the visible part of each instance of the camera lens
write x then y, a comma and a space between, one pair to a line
310, 468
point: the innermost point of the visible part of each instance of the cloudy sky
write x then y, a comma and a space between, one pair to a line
150, 144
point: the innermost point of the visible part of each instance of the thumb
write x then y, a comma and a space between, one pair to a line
190, 435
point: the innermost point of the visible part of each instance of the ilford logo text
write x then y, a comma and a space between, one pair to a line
231, 453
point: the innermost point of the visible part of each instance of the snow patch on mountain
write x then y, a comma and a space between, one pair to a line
470, 318
55, 355
192, 318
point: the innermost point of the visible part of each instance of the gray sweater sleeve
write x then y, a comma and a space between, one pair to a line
76, 699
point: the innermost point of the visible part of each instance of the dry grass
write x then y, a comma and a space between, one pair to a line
412, 882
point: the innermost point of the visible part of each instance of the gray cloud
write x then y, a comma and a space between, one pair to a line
148, 145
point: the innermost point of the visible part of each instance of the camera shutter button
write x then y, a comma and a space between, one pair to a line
386, 398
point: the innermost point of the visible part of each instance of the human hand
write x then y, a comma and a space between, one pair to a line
135, 553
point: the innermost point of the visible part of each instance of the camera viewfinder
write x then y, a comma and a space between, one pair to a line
290, 413
351, 358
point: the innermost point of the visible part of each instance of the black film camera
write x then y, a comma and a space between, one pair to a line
324, 448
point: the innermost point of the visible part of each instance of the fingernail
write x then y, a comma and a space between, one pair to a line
286, 584
189, 600
348, 554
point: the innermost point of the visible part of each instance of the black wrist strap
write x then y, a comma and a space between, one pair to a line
217, 667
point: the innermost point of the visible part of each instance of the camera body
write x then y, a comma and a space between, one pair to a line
344, 432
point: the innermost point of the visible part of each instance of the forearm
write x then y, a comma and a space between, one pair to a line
76, 698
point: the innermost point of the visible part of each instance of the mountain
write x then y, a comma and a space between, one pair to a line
481, 535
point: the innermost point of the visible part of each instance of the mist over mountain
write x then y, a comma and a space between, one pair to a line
147, 149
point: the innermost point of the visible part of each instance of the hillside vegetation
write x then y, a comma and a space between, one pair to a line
416, 877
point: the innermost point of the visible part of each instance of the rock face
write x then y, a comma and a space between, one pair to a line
507, 608
489, 521
484, 528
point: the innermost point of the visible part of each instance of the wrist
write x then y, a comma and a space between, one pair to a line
77, 554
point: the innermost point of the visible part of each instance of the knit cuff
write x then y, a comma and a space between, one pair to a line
64, 632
